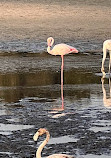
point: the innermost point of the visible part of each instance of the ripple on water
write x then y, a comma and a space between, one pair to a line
62, 139
7, 129
97, 156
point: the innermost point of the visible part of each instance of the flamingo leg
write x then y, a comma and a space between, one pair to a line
62, 96
103, 60
110, 86
109, 61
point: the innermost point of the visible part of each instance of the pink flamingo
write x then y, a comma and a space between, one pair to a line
60, 49
106, 47
41, 132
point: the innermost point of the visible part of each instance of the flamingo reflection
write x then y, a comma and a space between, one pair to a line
61, 107
106, 100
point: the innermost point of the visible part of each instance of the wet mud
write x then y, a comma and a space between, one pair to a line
30, 93
30, 84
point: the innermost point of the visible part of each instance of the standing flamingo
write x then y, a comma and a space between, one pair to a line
40, 132
60, 49
106, 47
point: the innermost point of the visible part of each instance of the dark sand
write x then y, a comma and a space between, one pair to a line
64, 20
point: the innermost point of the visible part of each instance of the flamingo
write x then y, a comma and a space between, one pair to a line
60, 49
106, 99
106, 47
40, 132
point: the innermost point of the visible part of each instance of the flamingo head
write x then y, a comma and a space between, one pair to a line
50, 41
75, 50
40, 132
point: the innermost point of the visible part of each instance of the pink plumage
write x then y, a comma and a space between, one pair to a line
63, 49
59, 49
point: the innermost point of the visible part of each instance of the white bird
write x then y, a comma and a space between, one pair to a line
40, 132
106, 47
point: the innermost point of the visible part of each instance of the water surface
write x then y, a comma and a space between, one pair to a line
30, 90
30, 93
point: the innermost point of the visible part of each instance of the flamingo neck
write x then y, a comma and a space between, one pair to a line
38, 153
49, 50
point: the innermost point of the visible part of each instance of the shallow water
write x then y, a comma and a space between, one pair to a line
30, 98
30, 90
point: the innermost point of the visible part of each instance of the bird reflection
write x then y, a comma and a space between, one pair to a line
106, 99
59, 111
60, 108
62, 95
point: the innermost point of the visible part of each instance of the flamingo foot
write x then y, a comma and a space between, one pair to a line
104, 74
102, 79
102, 70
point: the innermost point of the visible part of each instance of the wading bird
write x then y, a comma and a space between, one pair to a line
40, 132
106, 47
60, 49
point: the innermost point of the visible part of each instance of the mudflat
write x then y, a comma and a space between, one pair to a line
68, 20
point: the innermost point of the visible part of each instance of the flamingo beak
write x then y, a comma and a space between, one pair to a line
35, 137
49, 43
75, 50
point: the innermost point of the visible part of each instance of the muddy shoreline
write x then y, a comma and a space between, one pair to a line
30, 90
67, 21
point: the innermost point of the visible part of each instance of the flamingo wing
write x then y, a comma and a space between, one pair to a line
62, 49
